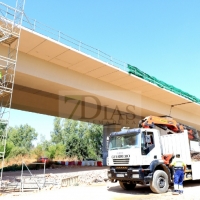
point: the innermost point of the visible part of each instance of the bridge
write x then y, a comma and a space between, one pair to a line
51, 78
56, 79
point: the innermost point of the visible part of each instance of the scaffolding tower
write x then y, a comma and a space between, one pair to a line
10, 29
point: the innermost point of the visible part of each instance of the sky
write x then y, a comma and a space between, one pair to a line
159, 37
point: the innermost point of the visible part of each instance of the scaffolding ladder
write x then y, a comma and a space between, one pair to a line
10, 29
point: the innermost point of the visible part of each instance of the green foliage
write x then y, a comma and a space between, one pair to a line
22, 136
38, 151
2, 129
95, 137
42, 147
69, 138
81, 139
16, 151
56, 134
55, 150
60, 150
8, 149
76, 146
51, 151
19, 140
44, 143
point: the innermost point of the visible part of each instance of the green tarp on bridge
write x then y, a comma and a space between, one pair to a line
137, 72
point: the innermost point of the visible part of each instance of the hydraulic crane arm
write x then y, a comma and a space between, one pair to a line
168, 123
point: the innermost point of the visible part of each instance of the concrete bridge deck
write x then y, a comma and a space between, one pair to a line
48, 72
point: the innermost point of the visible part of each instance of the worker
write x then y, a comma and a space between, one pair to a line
179, 169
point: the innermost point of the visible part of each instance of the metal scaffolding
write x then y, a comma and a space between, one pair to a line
10, 29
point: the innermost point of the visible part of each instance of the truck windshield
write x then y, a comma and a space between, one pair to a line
124, 141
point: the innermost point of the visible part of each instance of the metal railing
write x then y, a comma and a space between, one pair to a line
71, 42
34, 25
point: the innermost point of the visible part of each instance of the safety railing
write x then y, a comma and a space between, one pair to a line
58, 36
34, 25
8, 12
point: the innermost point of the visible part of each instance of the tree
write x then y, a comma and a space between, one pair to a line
22, 136
69, 127
38, 151
9, 145
2, 129
44, 143
76, 147
56, 134
51, 151
15, 151
81, 139
60, 151
55, 150
95, 136
8, 149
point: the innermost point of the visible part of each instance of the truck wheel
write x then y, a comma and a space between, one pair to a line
160, 183
127, 186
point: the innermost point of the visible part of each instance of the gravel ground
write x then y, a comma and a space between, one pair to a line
98, 189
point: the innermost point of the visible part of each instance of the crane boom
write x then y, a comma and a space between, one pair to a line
169, 124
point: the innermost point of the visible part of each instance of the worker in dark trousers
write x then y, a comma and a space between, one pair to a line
179, 169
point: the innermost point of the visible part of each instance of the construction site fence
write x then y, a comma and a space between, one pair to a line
80, 163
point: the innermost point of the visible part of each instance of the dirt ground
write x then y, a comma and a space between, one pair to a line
98, 191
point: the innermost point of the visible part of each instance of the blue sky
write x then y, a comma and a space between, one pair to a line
159, 37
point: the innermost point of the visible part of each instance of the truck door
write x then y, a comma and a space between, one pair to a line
147, 147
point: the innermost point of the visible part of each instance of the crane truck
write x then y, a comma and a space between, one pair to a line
142, 155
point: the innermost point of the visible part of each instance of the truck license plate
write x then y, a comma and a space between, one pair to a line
120, 175
135, 176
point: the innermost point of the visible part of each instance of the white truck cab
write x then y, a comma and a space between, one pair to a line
142, 156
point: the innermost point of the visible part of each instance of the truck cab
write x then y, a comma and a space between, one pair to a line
134, 155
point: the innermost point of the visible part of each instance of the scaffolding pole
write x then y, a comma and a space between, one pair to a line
10, 30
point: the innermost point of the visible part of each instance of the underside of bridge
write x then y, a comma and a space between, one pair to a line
54, 79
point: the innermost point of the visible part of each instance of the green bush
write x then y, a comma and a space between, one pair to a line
18, 151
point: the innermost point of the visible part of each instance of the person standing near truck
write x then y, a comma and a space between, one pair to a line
179, 169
